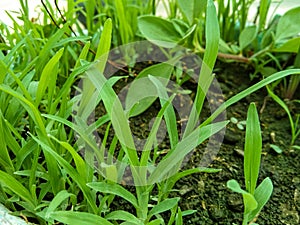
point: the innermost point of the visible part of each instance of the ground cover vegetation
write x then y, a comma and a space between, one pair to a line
69, 153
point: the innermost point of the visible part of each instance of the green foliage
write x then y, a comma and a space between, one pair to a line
254, 197
160, 31
295, 130
44, 124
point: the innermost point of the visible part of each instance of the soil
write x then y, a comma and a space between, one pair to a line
208, 194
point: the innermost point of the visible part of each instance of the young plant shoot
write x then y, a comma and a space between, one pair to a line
254, 197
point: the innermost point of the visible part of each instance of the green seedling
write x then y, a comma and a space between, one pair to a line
276, 148
294, 123
255, 197
240, 124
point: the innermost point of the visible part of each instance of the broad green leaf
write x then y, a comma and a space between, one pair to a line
142, 92
250, 204
292, 46
249, 201
78, 218
234, 186
224, 47
262, 195
114, 189
276, 148
163, 206
159, 31
287, 27
252, 151
247, 36
124, 216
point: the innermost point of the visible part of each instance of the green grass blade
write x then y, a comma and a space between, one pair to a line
46, 50
104, 45
286, 109
124, 216
169, 114
78, 218
30, 108
114, 189
16, 187
24, 152
183, 148
212, 34
163, 206
116, 113
72, 173
264, 7
124, 27
79, 162
48, 78
250, 90
253, 146
6, 162
56, 201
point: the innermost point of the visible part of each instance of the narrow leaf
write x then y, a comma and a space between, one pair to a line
56, 201
163, 206
78, 218
16, 187
123, 215
114, 189
253, 146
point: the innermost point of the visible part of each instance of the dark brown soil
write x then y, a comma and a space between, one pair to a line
208, 193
